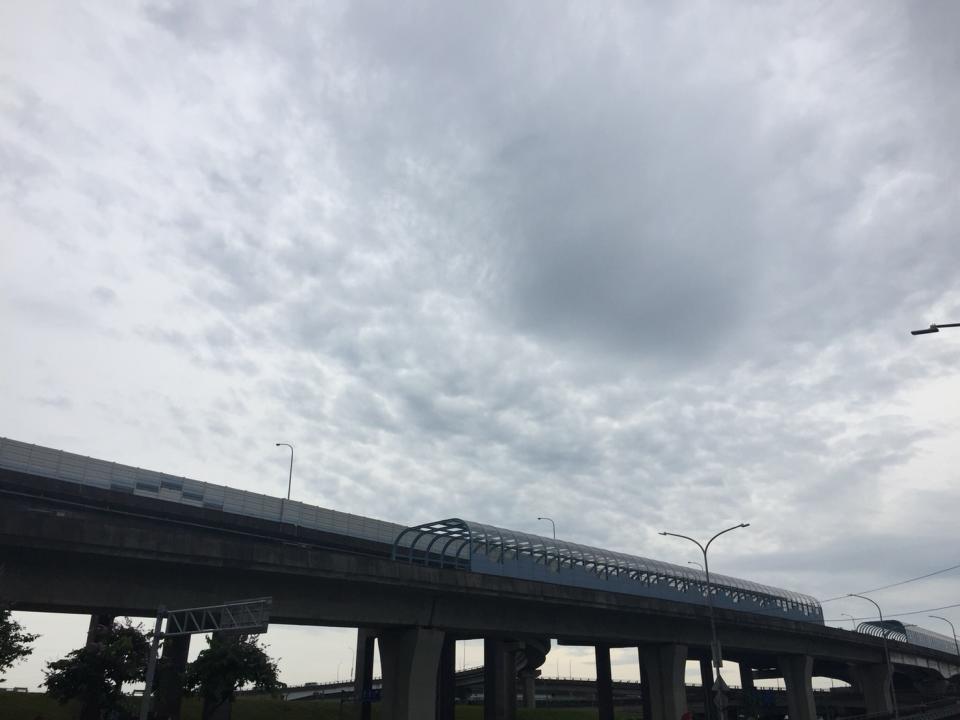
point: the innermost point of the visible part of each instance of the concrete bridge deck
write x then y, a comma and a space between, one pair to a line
69, 548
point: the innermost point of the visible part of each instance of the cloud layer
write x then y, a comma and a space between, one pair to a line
640, 269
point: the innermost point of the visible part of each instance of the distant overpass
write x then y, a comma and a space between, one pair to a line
69, 546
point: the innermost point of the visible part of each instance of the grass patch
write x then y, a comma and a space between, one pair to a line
37, 706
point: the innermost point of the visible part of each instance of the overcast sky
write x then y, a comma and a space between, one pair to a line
635, 267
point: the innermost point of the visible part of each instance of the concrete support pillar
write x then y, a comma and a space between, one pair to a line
447, 680
706, 680
874, 682
798, 676
410, 659
662, 668
99, 623
529, 678
171, 670
750, 705
363, 676
604, 682
499, 680
645, 694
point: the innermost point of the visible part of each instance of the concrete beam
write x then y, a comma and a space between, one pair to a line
798, 677
410, 659
97, 558
662, 668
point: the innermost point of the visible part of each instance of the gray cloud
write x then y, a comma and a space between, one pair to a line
636, 269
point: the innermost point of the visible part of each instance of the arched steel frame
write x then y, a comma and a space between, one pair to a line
466, 545
907, 633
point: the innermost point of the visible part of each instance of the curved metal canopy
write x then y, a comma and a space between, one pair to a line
457, 543
905, 632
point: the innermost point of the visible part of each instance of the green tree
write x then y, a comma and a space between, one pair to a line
230, 663
14, 641
95, 674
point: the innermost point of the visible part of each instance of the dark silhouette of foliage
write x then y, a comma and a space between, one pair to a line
95, 674
231, 663
14, 641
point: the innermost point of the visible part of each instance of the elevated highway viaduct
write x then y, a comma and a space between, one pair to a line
71, 548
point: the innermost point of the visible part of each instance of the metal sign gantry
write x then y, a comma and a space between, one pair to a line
247, 617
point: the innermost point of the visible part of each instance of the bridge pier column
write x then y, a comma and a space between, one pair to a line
529, 678
99, 623
410, 660
363, 677
874, 683
706, 680
447, 679
662, 669
499, 680
749, 706
798, 677
171, 670
604, 682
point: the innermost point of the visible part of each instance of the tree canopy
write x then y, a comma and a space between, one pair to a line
230, 663
14, 641
97, 672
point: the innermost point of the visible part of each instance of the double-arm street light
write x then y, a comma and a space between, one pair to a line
886, 652
552, 523
934, 328
952, 628
290, 479
715, 646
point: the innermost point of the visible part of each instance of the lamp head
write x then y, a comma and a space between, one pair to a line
662, 533
925, 331
744, 524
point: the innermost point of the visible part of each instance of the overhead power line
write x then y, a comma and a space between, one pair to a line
886, 615
902, 582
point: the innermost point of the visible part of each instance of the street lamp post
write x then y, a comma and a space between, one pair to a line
952, 628
290, 479
552, 523
694, 562
853, 620
715, 649
934, 328
886, 652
